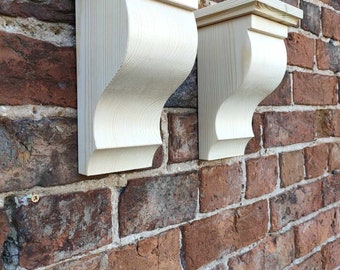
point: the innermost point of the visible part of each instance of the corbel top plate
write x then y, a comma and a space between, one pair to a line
274, 10
186, 4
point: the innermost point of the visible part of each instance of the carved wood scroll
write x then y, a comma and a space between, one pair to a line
241, 59
131, 56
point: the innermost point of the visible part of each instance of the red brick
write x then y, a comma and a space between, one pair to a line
208, 239
155, 202
274, 252
316, 160
328, 56
291, 2
285, 128
331, 255
294, 204
314, 232
281, 95
331, 189
183, 142
330, 24
300, 50
61, 226
333, 3
291, 167
261, 176
44, 10
314, 89
220, 186
328, 123
36, 72
254, 145
160, 252
38, 153
4, 231
86, 263
334, 157
311, 17
313, 262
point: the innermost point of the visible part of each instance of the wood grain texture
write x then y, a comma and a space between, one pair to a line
131, 56
240, 62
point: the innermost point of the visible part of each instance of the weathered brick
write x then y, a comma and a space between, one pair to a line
160, 252
314, 232
261, 176
155, 202
314, 89
220, 186
44, 10
331, 189
61, 226
274, 252
285, 128
4, 231
42, 152
328, 56
328, 123
333, 3
313, 262
183, 137
36, 72
186, 94
291, 2
281, 95
294, 204
311, 17
334, 157
208, 239
300, 50
316, 160
86, 263
330, 24
291, 167
254, 145
331, 255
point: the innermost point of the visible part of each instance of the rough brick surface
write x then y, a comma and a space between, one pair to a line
330, 24
328, 123
311, 17
87, 263
283, 128
331, 189
220, 186
60, 226
273, 253
254, 145
183, 137
313, 262
45, 10
300, 50
40, 153
314, 89
4, 231
328, 56
333, 3
281, 95
291, 167
294, 204
334, 157
331, 255
36, 72
208, 239
151, 203
161, 252
314, 232
261, 176
316, 160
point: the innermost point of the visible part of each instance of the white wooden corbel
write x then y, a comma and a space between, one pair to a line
131, 56
241, 59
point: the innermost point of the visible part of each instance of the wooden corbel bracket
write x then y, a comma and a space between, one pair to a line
131, 56
241, 59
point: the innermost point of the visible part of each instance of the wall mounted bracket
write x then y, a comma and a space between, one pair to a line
131, 56
241, 59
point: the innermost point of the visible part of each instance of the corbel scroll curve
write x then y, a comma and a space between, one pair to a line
241, 59
132, 55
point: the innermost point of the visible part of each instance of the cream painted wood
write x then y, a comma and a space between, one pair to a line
131, 56
241, 59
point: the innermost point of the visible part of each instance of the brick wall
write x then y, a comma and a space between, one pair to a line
276, 207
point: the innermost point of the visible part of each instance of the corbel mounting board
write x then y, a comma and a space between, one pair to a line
131, 56
241, 59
